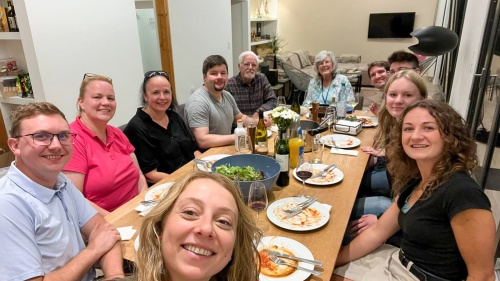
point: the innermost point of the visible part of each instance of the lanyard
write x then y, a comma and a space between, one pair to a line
327, 92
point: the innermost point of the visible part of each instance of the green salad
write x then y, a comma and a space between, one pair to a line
247, 173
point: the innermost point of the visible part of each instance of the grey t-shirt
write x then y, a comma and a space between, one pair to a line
203, 110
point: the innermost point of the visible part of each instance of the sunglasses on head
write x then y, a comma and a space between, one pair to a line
150, 74
88, 75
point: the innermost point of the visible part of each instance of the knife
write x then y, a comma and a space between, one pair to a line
322, 173
282, 255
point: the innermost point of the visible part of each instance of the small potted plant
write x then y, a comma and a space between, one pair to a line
276, 45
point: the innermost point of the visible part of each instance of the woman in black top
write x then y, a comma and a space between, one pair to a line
445, 217
163, 143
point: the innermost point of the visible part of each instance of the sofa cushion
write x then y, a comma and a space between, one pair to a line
304, 58
346, 58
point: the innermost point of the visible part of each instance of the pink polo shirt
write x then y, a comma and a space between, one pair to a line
111, 177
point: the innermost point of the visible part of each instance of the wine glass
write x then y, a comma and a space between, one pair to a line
282, 101
354, 101
257, 200
303, 170
330, 116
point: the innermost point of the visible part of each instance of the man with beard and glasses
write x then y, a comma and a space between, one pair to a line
251, 89
210, 110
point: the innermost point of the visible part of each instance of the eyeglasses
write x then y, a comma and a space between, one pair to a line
46, 138
150, 74
89, 75
248, 65
391, 72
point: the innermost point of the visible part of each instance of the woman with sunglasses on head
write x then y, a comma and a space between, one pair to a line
162, 140
103, 166
445, 217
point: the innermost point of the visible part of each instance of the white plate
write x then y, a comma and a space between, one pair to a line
316, 168
212, 159
293, 246
136, 243
342, 141
269, 133
373, 123
274, 213
157, 192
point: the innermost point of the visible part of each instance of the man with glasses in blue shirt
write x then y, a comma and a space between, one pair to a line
42, 215
251, 89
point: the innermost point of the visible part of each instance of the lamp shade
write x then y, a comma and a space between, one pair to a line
434, 41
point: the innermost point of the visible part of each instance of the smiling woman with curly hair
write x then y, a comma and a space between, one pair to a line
445, 217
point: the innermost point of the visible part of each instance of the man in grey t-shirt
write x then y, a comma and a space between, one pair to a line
210, 111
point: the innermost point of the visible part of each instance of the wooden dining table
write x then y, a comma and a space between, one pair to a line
324, 242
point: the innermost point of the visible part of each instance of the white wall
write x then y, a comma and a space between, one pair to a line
469, 47
342, 26
81, 36
199, 28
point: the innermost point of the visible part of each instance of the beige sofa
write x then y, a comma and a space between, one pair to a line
304, 61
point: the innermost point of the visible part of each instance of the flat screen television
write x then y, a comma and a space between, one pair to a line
391, 25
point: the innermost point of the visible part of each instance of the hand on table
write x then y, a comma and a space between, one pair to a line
267, 122
103, 237
361, 224
373, 151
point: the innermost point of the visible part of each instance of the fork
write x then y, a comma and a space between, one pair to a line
279, 261
299, 210
301, 205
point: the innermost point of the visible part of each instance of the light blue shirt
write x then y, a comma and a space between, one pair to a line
39, 227
316, 91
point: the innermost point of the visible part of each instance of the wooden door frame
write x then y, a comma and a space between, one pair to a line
164, 39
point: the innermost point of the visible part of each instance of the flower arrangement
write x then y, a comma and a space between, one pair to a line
282, 117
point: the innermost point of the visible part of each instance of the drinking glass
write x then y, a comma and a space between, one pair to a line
330, 116
317, 150
303, 171
243, 146
281, 101
257, 200
354, 101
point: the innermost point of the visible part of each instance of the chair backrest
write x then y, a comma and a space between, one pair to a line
122, 127
298, 77
180, 110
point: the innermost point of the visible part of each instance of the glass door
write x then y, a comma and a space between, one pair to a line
484, 110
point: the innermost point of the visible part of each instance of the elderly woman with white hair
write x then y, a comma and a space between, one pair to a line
327, 82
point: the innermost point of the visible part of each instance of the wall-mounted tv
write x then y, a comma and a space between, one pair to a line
391, 25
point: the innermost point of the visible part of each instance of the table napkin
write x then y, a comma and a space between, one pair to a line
146, 210
343, 151
126, 232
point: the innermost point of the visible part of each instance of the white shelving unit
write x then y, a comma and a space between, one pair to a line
57, 51
244, 22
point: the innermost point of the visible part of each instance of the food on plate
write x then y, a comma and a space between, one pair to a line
269, 268
340, 143
352, 118
308, 217
329, 176
158, 194
247, 173
366, 121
